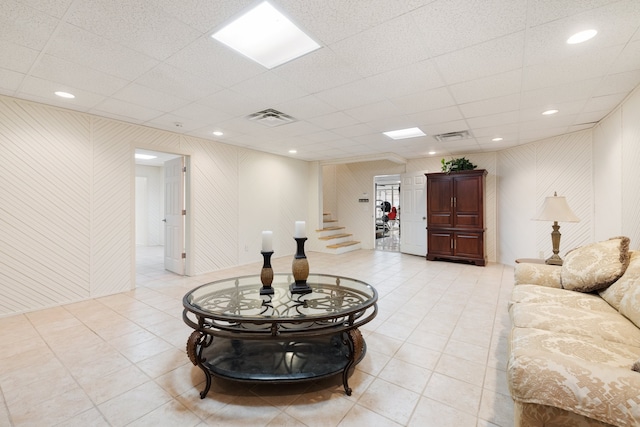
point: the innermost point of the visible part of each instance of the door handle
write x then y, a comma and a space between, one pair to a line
164, 220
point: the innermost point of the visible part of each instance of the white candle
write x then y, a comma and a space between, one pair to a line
267, 241
300, 230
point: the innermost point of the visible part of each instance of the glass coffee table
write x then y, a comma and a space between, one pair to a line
244, 336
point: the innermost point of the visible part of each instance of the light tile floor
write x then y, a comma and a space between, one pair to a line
436, 355
390, 241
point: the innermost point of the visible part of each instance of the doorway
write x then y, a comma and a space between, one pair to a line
152, 193
387, 213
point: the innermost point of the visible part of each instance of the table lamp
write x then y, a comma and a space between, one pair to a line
555, 209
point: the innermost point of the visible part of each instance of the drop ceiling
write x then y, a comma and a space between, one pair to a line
488, 67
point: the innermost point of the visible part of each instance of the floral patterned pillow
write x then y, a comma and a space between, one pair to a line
595, 266
630, 304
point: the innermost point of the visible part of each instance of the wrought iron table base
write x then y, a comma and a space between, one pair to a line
270, 361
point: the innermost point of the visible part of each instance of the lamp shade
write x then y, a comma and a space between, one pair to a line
555, 208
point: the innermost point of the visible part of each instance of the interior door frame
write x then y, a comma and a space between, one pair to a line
188, 221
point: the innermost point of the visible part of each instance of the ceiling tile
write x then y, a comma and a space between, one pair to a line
501, 104
424, 101
317, 71
605, 102
569, 70
25, 26
10, 81
16, 57
82, 47
141, 26
615, 24
43, 90
125, 111
305, 107
541, 11
432, 117
202, 113
355, 130
494, 119
411, 78
175, 123
150, 98
269, 89
618, 83
346, 17
482, 60
350, 95
386, 37
174, 81
628, 60
210, 59
204, 15
334, 120
450, 25
488, 87
375, 111
76, 76
570, 91
232, 103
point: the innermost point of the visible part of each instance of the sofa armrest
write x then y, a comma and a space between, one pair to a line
538, 274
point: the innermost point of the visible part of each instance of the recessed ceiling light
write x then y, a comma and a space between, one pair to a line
549, 112
293, 151
65, 94
431, 153
497, 139
404, 133
266, 36
582, 36
144, 156
218, 133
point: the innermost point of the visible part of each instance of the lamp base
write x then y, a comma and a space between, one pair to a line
553, 260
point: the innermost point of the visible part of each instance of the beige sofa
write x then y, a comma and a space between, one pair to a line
575, 339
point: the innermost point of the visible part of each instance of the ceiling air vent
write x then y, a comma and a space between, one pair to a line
452, 136
271, 117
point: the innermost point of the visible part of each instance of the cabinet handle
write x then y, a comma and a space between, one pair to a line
455, 202
451, 243
452, 202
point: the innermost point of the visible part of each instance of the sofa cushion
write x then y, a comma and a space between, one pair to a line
607, 325
630, 304
558, 297
537, 274
631, 277
596, 265
579, 374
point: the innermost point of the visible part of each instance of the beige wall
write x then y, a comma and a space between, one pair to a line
67, 215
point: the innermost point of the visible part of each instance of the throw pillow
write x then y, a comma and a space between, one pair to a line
595, 266
631, 277
630, 304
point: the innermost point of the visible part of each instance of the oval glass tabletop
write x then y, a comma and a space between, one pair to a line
239, 299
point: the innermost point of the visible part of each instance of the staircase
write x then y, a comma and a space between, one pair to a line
338, 242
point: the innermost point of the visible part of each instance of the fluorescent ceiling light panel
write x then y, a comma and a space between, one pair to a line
144, 156
404, 133
65, 94
266, 36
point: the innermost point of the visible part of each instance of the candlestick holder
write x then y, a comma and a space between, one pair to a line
300, 268
266, 275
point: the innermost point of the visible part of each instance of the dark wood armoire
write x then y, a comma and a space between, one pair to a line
455, 216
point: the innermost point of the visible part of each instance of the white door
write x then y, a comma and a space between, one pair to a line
413, 213
174, 215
